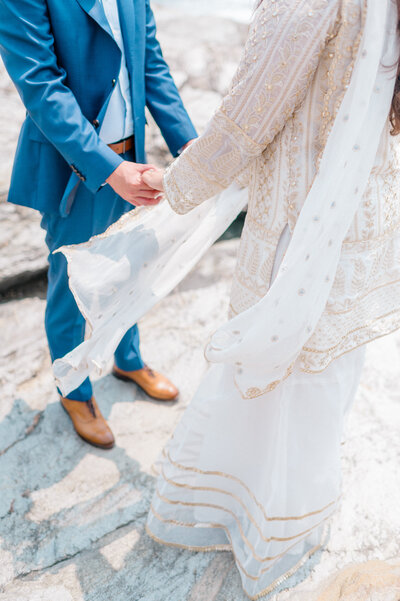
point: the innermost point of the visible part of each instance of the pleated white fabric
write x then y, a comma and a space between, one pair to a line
259, 478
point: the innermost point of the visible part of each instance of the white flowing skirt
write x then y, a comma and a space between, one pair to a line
260, 478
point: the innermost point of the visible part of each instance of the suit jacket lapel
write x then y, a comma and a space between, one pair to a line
95, 10
128, 27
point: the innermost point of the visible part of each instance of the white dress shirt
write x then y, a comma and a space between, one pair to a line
118, 120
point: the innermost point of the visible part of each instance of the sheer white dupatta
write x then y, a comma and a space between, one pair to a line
119, 276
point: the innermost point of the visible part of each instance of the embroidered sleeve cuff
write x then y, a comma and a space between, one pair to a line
209, 165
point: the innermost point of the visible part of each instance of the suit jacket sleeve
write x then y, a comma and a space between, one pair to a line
274, 74
162, 96
27, 49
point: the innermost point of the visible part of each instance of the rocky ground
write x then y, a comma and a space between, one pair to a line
72, 517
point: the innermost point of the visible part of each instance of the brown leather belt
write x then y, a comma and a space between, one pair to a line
123, 145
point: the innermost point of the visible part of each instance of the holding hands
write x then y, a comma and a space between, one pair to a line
154, 179
128, 182
139, 184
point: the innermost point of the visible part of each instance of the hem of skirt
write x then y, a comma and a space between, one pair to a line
228, 547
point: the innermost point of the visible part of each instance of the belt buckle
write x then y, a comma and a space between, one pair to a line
124, 146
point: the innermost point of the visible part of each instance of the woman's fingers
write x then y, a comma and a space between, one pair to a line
154, 179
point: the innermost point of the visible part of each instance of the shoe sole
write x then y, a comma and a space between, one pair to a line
127, 379
93, 444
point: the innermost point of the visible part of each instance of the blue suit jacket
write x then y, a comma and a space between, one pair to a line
64, 62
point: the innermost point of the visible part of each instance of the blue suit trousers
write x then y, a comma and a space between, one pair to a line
91, 214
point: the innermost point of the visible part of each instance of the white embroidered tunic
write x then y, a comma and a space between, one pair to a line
272, 129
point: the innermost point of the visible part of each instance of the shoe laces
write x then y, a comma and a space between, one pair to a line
91, 407
150, 371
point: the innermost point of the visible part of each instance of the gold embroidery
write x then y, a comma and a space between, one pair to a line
249, 516
350, 306
239, 525
370, 252
365, 286
210, 549
275, 73
308, 366
276, 199
265, 591
227, 532
353, 331
287, 574
344, 51
197, 470
254, 392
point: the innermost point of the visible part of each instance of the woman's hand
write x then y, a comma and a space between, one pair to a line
154, 179
127, 181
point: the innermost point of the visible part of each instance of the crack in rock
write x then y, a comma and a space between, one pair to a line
35, 422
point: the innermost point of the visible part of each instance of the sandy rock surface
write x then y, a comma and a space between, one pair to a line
23, 253
72, 517
203, 54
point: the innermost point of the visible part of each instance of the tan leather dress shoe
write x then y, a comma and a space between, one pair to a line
154, 384
89, 422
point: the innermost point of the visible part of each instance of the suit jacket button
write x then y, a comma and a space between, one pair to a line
114, 81
96, 123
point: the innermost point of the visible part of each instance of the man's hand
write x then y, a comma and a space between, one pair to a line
154, 178
127, 182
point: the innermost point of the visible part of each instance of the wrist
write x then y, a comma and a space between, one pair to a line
186, 146
114, 175
99, 166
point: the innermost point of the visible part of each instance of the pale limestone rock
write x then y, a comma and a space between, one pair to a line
11, 116
24, 365
212, 579
202, 47
75, 488
48, 594
372, 581
6, 565
63, 585
23, 253
116, 552
203, 71
203, 105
